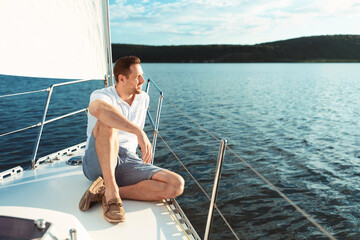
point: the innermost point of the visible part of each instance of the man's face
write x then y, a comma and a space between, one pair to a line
135, 80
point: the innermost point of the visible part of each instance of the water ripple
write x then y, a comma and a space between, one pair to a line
297, 124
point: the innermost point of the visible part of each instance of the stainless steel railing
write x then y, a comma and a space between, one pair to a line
36, 146
43, 119
158, 113
221, 155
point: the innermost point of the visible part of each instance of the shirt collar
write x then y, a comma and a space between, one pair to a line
120, 101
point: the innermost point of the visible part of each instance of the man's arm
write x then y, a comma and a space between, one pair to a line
110, 116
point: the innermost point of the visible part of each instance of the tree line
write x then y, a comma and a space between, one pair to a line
329, 48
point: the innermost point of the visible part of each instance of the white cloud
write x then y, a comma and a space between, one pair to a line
214, 3
337, 8
121, 10
224, 21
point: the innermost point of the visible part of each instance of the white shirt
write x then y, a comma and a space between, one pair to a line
136, 113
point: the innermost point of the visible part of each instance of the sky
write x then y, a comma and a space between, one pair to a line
184, 22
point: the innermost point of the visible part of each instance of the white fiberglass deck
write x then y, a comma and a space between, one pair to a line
52, 192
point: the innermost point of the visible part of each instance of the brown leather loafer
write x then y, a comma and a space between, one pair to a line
94, 194
113, 210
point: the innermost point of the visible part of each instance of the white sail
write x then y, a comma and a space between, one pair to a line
53, 38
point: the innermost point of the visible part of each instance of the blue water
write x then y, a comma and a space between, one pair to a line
297, 124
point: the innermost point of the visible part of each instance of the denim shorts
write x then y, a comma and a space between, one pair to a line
129, 168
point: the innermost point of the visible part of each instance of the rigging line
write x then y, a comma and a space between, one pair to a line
16, 94
202, 189
307, 216
184, 166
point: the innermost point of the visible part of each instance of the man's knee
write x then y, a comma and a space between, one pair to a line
180, 186
176, 186
104, 130
174, 183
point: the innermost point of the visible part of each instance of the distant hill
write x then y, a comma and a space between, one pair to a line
329, 48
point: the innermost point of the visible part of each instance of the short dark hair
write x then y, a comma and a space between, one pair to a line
122, 66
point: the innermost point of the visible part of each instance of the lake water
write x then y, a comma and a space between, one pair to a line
296, 124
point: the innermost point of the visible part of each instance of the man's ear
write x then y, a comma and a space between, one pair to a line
121, 78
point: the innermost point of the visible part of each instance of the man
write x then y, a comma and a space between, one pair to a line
115, 129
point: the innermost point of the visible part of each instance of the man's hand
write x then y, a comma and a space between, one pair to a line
145, 145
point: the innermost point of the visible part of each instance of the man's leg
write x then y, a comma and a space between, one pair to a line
107, 147
163, 184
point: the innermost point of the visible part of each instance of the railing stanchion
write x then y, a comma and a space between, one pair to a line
36, 146
157, 122
221, 154
158, 113
147, 86
107, 80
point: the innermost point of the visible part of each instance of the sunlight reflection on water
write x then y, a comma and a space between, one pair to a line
297, 124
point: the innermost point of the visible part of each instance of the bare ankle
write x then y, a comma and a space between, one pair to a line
111, 193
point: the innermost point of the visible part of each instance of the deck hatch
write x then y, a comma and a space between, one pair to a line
21, 228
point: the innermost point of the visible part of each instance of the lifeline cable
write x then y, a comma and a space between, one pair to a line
16, 94
307, 216
222, 216
19, 130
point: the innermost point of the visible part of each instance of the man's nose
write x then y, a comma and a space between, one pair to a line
142, 80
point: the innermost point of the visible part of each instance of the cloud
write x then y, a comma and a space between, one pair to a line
214, 3
122, 10
192, 17
223, 20
337, 8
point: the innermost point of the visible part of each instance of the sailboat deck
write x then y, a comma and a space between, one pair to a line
52, 192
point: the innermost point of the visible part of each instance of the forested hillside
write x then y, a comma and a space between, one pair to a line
332, 48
